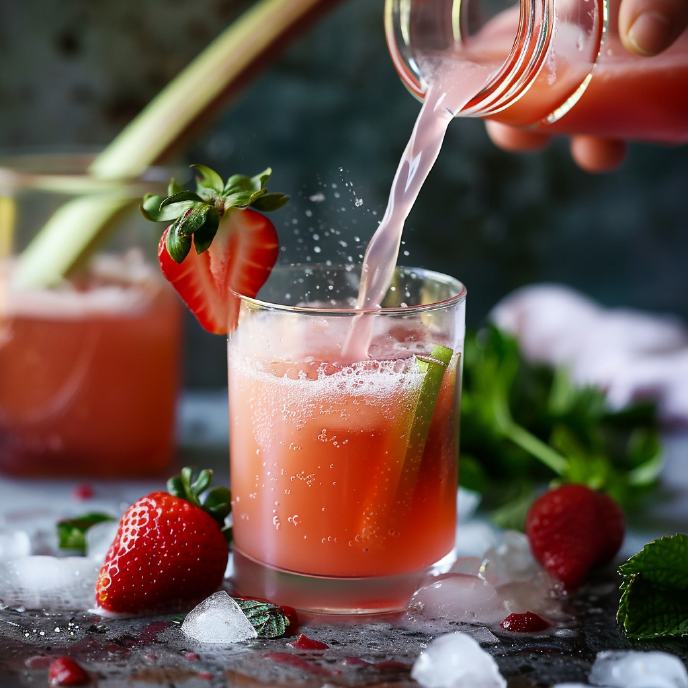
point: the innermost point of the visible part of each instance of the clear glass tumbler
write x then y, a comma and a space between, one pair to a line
89, 368
344, 472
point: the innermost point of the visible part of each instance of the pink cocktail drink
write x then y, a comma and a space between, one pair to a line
89, 374
343, 477
89, 359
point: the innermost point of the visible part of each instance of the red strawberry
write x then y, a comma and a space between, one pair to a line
234, 247
572, 530
64, 671
303, 642
168, 550
524, 623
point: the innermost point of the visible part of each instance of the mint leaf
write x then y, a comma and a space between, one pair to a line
651, 610
663, 561
268, 619
71, 532
654, 601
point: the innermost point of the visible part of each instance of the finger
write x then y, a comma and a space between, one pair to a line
649, 26
515, 140
594, 154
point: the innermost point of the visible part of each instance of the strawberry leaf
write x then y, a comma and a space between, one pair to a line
205, 234
150, 207
181, 196
270, 201
259, 180
218, 503
195, 489
193, 219
202, 482
209, 179
174, 187
178, 244
238, 182
240, 199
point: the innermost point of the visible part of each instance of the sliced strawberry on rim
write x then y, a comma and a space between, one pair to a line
235, 247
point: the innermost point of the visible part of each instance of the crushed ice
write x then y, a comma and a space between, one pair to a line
44, 582
631, 669
219, 620
456, 660
484, 590
14, 544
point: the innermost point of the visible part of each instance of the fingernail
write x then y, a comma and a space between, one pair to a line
650, 33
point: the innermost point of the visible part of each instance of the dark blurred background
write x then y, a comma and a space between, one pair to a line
332, 118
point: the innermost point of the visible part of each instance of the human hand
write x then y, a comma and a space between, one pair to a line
646, 27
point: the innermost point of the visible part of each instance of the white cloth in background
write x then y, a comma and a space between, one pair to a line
630, 354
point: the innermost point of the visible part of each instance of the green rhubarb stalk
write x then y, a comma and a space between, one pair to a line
434, 368
216, 74
388, 496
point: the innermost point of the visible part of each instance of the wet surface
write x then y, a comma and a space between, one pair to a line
363, 651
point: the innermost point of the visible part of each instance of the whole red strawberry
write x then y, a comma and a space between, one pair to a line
573, 529
169, 550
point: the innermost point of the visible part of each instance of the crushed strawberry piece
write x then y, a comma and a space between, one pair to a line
305, 643
524, 623
64, 671
83, 492
356, 661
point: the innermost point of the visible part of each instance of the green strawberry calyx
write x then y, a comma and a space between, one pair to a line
194, 487
197, 214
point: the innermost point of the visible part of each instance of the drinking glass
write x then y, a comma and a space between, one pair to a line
89, 368
344, 467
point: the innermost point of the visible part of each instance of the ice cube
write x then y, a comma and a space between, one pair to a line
99, 537
473, 539
511, 561
43, 582
537, 594
459, 597
14, 544
631, 669
469, 565
456, 660
218, 619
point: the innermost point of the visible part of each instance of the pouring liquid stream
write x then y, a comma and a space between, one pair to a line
452, 86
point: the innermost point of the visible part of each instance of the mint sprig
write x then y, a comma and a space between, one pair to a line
71, 532
194, 487
268, 619
198, 214
654, 600
523, 424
